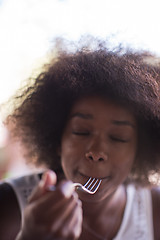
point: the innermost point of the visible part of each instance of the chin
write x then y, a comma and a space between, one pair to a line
93, 198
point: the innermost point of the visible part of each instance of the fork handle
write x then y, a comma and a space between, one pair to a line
52, 188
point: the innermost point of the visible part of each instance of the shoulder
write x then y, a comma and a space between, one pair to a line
10, 217
156, 210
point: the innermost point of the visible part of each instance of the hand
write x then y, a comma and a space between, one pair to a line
52, 215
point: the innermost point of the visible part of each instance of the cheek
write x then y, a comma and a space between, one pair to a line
66, 162
71, 148
132, 153
71, 153
68, 149
123, 158
121, 171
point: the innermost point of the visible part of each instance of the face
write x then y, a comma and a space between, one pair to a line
99, 140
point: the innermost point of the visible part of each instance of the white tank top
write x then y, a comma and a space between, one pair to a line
137, 223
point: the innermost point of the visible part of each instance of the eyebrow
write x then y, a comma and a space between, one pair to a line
82, 115
115, 122
123, 123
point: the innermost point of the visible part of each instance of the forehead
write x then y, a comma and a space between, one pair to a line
98, 106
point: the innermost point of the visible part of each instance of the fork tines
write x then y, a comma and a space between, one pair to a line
92, 184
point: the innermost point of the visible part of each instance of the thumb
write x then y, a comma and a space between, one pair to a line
49, 178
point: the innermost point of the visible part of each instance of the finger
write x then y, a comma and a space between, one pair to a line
62, 213
73, 226
67, 188
70, 225
42, 215
49, 178
52, 203
59, 200
58, 197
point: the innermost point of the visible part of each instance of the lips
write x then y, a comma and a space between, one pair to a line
97, 177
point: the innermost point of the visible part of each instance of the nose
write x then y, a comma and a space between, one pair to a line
97, 150
96, 156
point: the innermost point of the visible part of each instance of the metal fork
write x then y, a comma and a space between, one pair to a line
91, 186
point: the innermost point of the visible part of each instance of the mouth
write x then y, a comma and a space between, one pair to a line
91, 182
89, 176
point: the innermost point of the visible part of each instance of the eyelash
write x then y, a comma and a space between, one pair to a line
81, 133
118, 139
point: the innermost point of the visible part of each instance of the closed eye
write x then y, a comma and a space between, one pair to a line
80, 133
118, 139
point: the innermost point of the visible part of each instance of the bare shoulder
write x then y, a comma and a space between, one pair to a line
10, 217
156, 211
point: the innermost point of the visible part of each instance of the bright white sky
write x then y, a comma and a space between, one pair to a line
27, 28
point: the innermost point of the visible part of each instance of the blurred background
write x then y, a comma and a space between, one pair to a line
27, 30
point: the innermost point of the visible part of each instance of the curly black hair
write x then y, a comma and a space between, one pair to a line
124, 76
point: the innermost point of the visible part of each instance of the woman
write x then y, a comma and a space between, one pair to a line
92, 113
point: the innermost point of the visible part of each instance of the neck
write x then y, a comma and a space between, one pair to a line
105, 216
111, 202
